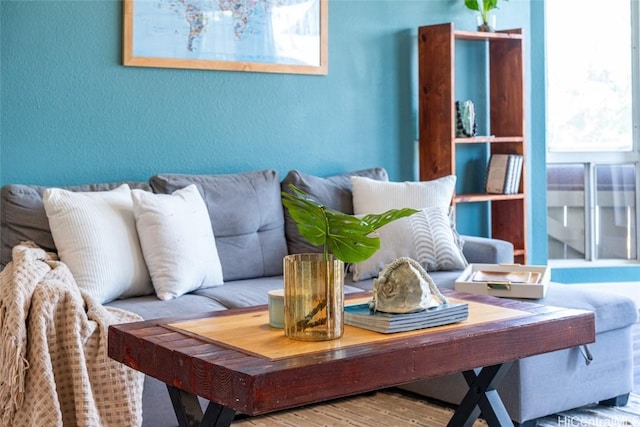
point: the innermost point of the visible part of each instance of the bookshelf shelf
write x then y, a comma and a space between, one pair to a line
485, 197
486, 139
474, 35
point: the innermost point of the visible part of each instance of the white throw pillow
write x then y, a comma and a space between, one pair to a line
371, 196
95, 234
177, 241
426, 236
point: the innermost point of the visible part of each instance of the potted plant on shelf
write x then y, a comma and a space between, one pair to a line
486, 22
314, 283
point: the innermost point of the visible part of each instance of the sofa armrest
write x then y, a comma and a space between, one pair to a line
484, 250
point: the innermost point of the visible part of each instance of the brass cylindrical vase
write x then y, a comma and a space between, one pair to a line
313, 297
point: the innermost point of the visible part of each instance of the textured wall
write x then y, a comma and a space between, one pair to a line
71, 113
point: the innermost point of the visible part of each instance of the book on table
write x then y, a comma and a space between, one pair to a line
361, 316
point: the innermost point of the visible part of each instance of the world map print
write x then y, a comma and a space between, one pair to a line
275, 31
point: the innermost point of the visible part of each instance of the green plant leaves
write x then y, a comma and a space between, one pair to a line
488, 5
349, 238
472, 4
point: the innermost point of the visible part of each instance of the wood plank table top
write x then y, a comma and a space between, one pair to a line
250, 331
253, 384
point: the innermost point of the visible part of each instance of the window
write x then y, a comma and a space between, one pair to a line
592, 132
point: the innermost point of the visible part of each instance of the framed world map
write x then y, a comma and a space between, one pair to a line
275, 36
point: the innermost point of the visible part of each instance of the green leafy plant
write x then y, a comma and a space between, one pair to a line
487, 5
349, 238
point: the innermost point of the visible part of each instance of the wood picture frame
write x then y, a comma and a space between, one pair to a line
283, 36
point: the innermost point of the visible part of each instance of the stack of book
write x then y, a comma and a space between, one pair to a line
503, 174
361, 316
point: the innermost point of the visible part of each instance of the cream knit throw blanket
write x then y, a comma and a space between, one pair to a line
54, 368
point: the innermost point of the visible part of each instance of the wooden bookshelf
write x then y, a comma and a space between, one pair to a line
437, 118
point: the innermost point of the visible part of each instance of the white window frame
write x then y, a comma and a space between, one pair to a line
591, 159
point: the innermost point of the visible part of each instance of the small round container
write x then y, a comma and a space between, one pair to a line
276, 308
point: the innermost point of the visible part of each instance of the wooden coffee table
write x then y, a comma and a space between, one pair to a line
253, 369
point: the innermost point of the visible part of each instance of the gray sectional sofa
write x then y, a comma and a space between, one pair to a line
253, 233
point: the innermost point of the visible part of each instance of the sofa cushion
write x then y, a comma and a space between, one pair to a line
612, 311
372, 197
250, 292
177, 241
23, 217
95, 233
333, 192
485, 250
235, 294
246, 215
150, 307
429, 236
243, 293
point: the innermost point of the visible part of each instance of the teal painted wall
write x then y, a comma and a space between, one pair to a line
70, 113
537, 158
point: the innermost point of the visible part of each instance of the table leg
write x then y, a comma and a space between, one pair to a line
189, 412
482, 398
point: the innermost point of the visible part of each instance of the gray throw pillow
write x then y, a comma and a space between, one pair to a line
24, 219
246, 215
333, 191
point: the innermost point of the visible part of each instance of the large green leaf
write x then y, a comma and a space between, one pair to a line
347, 237
309, 216
350, 238
488, 5
472, 4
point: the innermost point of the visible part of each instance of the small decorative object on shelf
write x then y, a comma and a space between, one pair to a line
486, 21
488, 24
466, 125
314, 283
